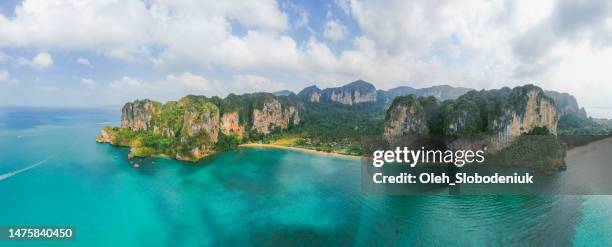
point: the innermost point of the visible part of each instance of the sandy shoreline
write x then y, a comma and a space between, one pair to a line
572, 151
580, 149
259, 145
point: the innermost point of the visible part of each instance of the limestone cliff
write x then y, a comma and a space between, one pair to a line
230, 124
405, 117
196, 126
185, 130
273, 115
350, 94
536, 111
310, 94
566, 104
497, 116
137, 115
441, 92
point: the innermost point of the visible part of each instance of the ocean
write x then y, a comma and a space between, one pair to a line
53, 173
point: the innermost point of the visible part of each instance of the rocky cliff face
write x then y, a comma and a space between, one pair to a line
501, 116
190, 129
230, 124
272, 116
442, 92
193, 121
405, 117
203, 126
310, 94
350, 94
566, 104
137, 115
510, 115
538, 111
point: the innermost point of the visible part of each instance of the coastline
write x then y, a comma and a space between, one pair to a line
579, 149
299, 149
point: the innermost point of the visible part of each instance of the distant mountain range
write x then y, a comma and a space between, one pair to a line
363, 92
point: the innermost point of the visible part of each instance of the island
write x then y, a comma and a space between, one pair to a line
335, 120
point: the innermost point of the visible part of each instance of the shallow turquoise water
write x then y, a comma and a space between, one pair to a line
249, 197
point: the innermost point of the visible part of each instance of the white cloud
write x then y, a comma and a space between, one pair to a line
83, 61
334, 30
480, 44
88, 82
127, 28
4, 75
255, 83
190, 80
3, 57
173, 87
302, 15
42, 60
126, 83
344, 5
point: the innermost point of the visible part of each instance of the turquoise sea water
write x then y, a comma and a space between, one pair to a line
53, 173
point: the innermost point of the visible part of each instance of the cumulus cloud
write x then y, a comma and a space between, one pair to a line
3, 57
174, 86
303, 17
127, 82
569, 21
127, 29
83, 61
42, 60
334, 30
344, 5
480, 44
190, 80
88, 82
254, 83
4, 75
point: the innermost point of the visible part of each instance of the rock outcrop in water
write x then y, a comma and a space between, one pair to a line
191, 128
331, 119
137, 115
517, 126
503, 115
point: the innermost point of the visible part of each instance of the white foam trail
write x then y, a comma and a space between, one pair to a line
13, 173
22, 136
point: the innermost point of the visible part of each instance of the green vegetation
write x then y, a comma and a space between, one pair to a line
144, 143
537, 150
183, 128
575, 129
337, 128
227, 142
478, 114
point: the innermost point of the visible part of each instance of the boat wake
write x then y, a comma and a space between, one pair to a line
24, 136
13, 173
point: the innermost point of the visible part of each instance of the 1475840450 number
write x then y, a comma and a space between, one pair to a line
36, 233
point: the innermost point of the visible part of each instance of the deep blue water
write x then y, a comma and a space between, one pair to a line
52, 172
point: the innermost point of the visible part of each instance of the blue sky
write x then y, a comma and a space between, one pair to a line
93, 53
